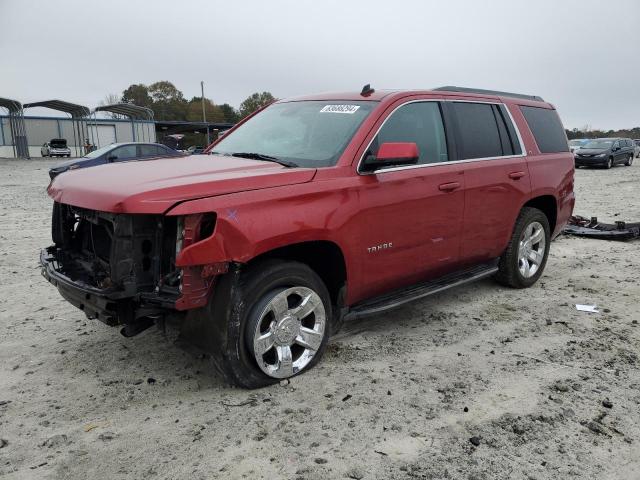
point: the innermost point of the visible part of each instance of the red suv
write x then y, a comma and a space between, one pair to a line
311, 211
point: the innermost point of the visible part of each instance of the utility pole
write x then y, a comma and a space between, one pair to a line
204, 115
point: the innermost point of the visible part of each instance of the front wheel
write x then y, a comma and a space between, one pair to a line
524, 260
285, 322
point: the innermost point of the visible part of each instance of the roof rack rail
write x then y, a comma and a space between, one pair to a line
450, 88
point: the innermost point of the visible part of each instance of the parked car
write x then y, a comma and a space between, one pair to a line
636, 142
116, 152
577, 143
195, 150
56, 147
605, 152
314, 210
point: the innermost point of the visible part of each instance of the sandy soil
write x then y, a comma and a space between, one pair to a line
545, 392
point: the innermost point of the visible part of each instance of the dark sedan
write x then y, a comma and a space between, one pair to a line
605, 152
116, 152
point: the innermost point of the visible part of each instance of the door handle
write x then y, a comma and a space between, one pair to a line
448, 187
516, 175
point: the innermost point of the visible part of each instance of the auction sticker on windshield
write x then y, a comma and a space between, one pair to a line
339, 108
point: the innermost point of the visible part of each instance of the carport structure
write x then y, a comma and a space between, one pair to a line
17, 127
136, 115
79, 115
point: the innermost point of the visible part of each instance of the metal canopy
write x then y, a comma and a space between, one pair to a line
17, 126
78, 113
134, 112
73, 109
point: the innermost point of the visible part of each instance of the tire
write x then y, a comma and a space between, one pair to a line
629, 161
259, 286
609, 163
510, 267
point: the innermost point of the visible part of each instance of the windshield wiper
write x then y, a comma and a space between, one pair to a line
267, 158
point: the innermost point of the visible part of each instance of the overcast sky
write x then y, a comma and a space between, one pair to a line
583, 56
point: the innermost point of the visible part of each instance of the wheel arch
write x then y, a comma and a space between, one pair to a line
548, 205
323, 256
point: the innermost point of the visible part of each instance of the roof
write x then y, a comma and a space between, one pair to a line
12, 105
130, 110
379, 95
75, 110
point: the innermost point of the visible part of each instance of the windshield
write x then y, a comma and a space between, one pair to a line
100, 151
598, 144
59, 143
576, 143
307, 134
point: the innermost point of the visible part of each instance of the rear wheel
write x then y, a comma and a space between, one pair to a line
609, 163
524, 260
629, 161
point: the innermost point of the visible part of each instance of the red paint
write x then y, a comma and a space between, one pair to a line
432, 220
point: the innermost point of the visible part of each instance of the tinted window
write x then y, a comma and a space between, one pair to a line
546, 128
150, 150
123, 153
479, 133
513, 137
419, 123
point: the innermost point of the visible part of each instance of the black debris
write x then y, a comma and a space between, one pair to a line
346, 397
607, 403
475, 441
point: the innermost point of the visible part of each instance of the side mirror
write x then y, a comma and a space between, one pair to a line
111, 158
392, 154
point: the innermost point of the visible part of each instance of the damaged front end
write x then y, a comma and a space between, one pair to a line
121, 268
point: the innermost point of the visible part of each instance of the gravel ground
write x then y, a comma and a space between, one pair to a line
481, 382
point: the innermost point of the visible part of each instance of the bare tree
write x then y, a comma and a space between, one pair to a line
110, 99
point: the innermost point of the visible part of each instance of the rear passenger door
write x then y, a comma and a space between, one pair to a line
617, 150
496, 177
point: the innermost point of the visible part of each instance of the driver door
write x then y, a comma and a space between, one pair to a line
410, 217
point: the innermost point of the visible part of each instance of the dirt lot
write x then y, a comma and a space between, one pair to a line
544, 391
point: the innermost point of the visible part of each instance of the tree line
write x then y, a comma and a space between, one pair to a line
169, 103
587, 132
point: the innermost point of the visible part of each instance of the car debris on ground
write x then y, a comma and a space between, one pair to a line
592, 228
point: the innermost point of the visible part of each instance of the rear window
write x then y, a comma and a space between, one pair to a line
546, 128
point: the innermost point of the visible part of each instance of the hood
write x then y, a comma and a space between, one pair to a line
154, 186
592, 151
64, 165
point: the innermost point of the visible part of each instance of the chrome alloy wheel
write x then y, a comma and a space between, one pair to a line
289, 332
531, 249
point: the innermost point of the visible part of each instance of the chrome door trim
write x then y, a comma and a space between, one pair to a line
453, 162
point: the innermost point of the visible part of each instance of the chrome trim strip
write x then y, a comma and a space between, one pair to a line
453, 162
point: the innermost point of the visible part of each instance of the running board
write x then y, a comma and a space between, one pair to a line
414, 292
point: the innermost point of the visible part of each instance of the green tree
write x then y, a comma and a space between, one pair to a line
138, 94
254, 102
231, 115
168, 102
213, 112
